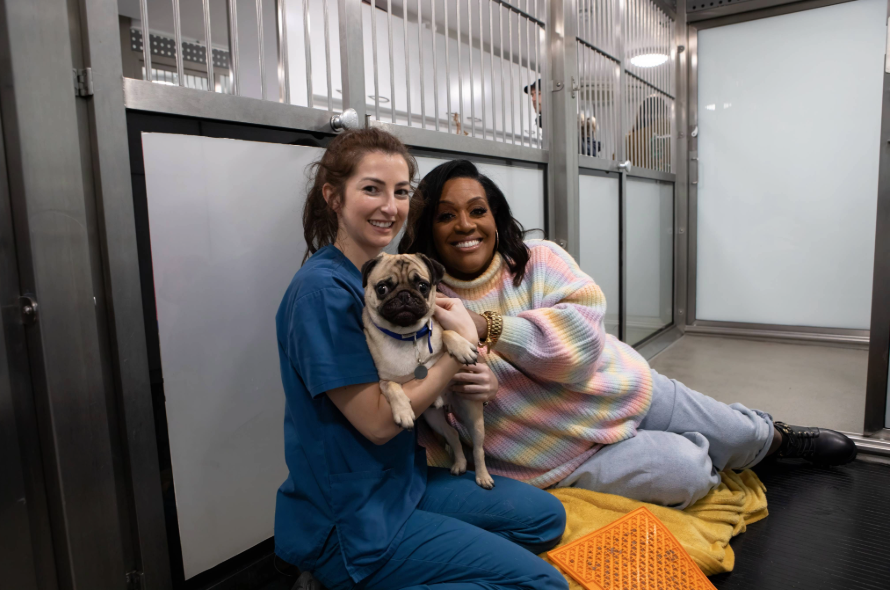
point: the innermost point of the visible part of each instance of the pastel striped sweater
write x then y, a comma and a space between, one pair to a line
566, 387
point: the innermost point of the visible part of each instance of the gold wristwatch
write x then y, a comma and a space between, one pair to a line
495, 327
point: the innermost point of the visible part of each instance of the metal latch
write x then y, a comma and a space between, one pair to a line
28, 307
575, 87
134, 580
83, 82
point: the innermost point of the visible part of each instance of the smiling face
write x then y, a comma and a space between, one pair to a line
464, 229
374, 204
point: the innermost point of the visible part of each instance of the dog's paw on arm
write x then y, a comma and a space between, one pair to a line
402, 412
464, 351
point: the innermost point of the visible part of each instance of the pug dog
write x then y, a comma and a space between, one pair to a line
405, 341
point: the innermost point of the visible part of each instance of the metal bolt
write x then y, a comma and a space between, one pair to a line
682, 230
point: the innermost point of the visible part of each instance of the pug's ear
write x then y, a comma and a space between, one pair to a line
437, 271
368, 267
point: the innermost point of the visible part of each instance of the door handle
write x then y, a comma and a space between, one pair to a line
625, 166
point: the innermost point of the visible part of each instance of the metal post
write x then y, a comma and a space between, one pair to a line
177, 35
563, 202
327, 56
422, 66
407, 59
435, 63
308, 49
448, 69
352, 57
262, 46
208, 53
460, 74
392, 73
373, 12
472, 78
283, 67
146, 41
233, 47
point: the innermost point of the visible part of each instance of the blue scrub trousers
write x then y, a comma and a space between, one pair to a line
462, 537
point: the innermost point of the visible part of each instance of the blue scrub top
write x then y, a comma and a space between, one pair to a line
338, 479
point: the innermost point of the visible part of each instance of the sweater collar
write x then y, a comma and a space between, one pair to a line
481, 284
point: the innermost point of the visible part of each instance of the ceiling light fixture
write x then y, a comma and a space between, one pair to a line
649, 60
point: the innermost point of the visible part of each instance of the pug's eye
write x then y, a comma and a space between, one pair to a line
381, 290
424, 288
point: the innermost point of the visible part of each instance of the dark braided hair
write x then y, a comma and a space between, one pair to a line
336, 166
420, 222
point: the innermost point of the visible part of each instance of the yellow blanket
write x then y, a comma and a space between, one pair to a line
704, 529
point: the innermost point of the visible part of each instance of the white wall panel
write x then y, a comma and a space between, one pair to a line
599, 201
226, 239
789, 114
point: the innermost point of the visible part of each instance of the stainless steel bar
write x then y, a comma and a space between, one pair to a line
447, 69
501, 73
262, 46
460, 75
208, 53
472, 77
373, 12
512, 82
539, 109
392, 72
146, 41
283, 67
579, 72
234, 54
422, 65
327, 56
177, 34
407, 60
528, 97
435, 62
308, 48
494, 110
482, 64
523, 80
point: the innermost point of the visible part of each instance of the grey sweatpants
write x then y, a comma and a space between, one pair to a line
682, 444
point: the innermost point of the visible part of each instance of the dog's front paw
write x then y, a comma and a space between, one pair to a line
404, 417
484, 480
460, 348
459, 467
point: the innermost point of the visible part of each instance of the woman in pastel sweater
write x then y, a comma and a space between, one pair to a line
569, 404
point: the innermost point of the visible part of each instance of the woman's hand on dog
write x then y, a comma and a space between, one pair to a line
452, 315
479, 320
476, 383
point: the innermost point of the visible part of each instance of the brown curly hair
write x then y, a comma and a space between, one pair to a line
336, 166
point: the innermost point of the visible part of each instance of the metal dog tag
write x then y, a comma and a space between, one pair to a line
420, 372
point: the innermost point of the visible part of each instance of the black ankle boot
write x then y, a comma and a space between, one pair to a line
817, 445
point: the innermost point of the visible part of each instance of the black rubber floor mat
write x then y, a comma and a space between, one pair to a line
827, 529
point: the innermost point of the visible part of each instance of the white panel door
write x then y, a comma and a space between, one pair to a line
599, 222
789, 115
226, 239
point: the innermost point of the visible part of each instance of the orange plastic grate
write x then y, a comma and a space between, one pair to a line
636, 552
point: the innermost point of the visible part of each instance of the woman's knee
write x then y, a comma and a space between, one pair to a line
682, 470
548, 523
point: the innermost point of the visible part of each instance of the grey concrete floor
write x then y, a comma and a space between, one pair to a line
797, 383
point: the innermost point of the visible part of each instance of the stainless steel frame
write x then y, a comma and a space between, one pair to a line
54, 213
877, 339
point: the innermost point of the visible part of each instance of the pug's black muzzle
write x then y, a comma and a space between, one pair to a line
404, 308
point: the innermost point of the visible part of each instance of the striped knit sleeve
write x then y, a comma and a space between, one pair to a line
561, 337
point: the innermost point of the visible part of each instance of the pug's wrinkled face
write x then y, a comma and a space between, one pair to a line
400, 291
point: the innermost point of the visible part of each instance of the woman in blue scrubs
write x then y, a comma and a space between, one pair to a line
360, 508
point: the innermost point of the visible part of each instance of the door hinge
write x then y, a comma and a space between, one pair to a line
83, 82
134, 580
28, 307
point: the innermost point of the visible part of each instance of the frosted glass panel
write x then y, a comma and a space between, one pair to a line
523, 187
226, 239
599, 239
789, 118
650, 257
